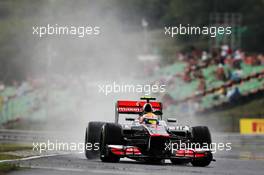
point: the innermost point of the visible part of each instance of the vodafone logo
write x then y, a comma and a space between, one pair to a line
128, 109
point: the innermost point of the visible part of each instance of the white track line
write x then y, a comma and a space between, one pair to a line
33, 157
57, 169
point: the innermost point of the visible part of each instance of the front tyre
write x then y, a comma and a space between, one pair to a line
203, 162
92, 137
201, 135
111, 134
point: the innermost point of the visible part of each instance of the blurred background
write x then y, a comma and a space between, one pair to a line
51, 83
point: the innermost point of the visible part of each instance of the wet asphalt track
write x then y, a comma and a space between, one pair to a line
77, 164
246, 157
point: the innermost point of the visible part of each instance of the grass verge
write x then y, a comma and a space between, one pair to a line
5, 147
8, 167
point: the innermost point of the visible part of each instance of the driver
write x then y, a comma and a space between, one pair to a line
148, 116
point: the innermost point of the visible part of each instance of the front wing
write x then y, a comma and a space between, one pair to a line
135, 152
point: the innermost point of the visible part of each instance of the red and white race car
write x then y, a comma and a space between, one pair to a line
147, 137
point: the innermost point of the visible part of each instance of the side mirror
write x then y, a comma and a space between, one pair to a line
129, 119
171, 120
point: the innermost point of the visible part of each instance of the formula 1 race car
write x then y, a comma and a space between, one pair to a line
147, 137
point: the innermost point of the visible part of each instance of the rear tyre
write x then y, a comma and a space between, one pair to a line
111, 134
92, 138
202, 136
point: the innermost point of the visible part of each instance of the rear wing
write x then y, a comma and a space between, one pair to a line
134, 107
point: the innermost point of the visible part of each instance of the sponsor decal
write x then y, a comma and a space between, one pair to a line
128, 109
251, 126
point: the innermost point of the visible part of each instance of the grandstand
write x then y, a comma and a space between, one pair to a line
14, 107
216, 92
33, 105
198, 84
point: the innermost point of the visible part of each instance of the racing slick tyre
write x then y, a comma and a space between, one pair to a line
201, 135
92, 137
111, 134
